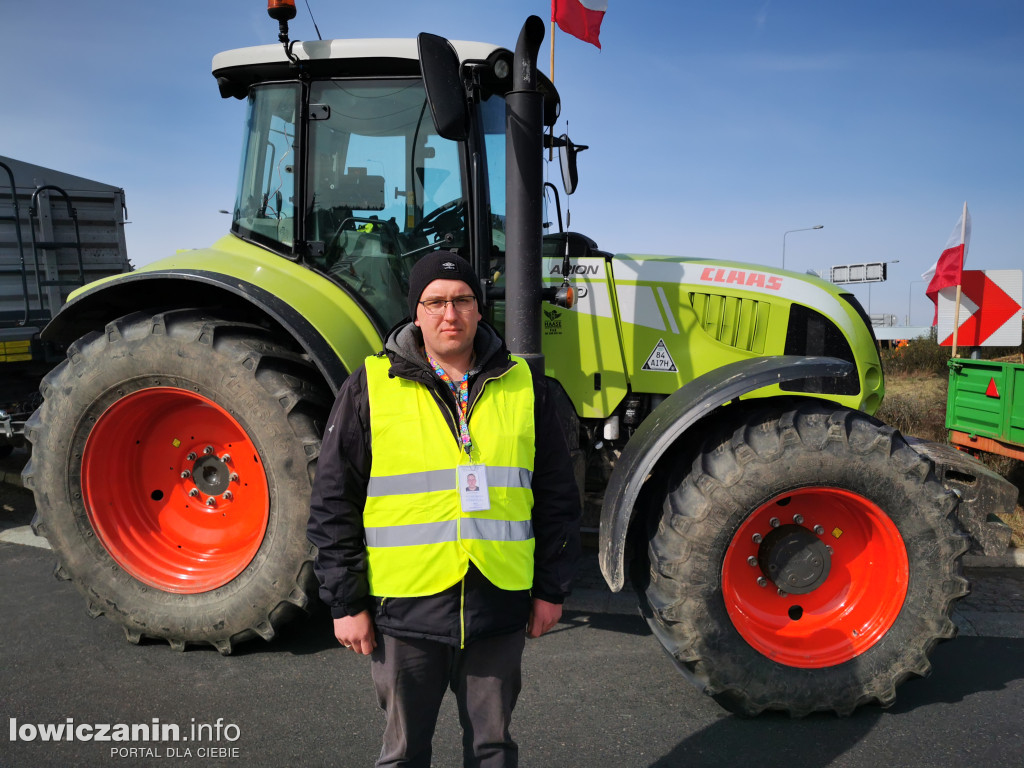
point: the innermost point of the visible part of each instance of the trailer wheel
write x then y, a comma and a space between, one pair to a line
172, 463
807, 560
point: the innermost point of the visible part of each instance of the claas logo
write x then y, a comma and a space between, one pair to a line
741, 277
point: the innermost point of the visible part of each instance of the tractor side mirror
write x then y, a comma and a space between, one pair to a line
567, 152
445, 94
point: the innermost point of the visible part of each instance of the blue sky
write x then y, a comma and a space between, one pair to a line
714, 127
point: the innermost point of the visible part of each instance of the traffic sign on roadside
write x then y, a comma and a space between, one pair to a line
990, 309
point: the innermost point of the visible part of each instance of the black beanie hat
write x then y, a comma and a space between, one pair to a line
441, 265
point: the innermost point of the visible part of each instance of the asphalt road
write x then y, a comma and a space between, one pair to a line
598, 691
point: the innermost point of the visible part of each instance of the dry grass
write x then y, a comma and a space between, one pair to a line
915, 404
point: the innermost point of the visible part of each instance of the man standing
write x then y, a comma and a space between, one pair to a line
438, 583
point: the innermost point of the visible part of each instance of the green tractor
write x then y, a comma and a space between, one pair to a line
788, 550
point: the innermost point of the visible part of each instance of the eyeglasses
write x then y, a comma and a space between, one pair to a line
438, 306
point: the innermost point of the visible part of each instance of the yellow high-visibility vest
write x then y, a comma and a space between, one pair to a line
419, 541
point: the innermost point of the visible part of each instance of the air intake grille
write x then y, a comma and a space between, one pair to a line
740, 323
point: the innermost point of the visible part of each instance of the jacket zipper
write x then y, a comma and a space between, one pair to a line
453, 426
462, 615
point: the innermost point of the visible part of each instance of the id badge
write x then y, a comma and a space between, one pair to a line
473, 488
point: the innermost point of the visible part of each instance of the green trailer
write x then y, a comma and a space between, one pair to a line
985, 406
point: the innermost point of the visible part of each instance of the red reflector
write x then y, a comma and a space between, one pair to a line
992, 391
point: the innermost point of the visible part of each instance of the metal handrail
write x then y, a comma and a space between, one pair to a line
78, 237
21, 245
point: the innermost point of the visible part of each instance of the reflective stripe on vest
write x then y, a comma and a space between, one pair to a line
418, 539
444, 480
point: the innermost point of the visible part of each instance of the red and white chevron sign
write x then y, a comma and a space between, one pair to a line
990, 309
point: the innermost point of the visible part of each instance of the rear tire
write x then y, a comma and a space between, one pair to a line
837, 508
172, 463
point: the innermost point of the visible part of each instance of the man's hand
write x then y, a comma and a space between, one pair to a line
356, 632
543, 616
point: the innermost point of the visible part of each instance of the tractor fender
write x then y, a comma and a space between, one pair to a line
334, 351
671, 419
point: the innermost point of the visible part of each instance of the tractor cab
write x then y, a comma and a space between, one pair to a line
344, 171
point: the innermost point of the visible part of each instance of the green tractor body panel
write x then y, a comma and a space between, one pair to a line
651, 324
330, 311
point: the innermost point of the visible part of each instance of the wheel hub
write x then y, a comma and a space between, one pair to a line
211, 475
796, 560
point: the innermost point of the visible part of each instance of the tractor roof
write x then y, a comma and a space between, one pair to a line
237, 69
369, 48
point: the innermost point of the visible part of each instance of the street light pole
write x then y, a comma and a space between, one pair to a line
802, 229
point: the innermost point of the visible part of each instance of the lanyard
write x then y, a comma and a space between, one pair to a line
461, 391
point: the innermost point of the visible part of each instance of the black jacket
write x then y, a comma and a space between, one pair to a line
473, 608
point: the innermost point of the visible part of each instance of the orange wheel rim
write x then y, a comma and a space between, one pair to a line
175, 490
815, 577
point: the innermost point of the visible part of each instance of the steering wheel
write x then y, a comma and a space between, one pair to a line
449, 217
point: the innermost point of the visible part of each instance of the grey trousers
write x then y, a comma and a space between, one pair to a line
410, 677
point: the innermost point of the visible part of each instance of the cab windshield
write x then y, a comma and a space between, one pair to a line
382, 188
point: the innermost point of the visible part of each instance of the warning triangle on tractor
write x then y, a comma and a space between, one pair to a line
992, 390
660, 359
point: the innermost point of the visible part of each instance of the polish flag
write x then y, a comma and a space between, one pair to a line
946, 272
580, 18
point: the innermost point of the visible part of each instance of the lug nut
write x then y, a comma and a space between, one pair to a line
798, 519
774, 522
752, 561
194, 492
226, 458
762, 581
757, 538
185, 475
233, 477
211, 502
782, 592
829, 549
192, 456
819, 530
208, 450
227, 496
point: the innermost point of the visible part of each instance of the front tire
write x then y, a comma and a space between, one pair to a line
172, 464
806, 560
